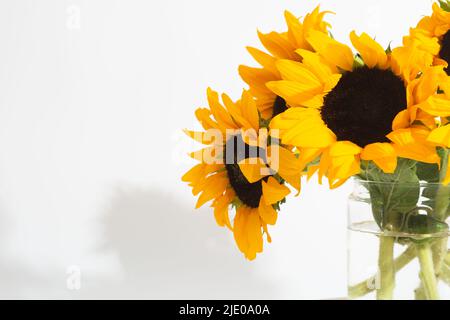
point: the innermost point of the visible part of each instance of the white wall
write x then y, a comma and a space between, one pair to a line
90, 144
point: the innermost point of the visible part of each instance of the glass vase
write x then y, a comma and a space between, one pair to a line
398, 241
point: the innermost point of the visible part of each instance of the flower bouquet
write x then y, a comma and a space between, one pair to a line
316, 107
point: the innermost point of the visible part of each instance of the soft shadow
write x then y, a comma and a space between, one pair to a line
17, 280
170, 251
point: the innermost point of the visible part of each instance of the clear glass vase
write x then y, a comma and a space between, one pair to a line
398, 241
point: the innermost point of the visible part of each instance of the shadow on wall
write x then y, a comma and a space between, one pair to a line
170, 251
17, 280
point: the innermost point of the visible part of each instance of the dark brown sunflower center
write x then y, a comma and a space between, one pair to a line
279, 106
363, 105
444, 54
234, 152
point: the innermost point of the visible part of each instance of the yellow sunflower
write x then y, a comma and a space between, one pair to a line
432, 35
280, 46
375, 106
241, 167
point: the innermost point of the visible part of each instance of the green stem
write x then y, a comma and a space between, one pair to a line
447, 258
386, 268
367, 286
445, 274
439, 249
442, 203
427, 272
419, 293
443, 193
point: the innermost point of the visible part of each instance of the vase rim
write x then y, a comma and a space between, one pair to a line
421, 183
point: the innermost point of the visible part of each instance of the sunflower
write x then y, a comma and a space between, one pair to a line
241, 167
432, 35
280, 46
374, 106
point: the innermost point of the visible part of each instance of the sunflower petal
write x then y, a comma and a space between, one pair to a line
286, 164
312, 170
267, 213
205, 138
264, 59
294, 92
344, 148
303, 128
429, 83
204, 117
295, 31
277, 45
214, 186
341, 169
273, 191
257, 78
440, 136
315, 63
193, 173
342, 162
221, 115
409, 144
296, 71
402, 120
247, 232
254, 169
221, 206
371, 51
331, 50
436, 105
236, 112
308, 155
383, 154
249, 110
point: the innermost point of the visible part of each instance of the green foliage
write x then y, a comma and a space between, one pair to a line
445, 5
424, 224
263, 123
358, 62
428, 172
389, 48
236, 203
393, 196
396, 198
277, 206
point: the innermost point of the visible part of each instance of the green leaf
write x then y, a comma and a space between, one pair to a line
358, 62
389, 48
393, 196
263, 123
428, 172
445, 5
424, 224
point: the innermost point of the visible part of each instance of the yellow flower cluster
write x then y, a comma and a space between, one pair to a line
318, 106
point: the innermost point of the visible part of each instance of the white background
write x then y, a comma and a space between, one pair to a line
91, 152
